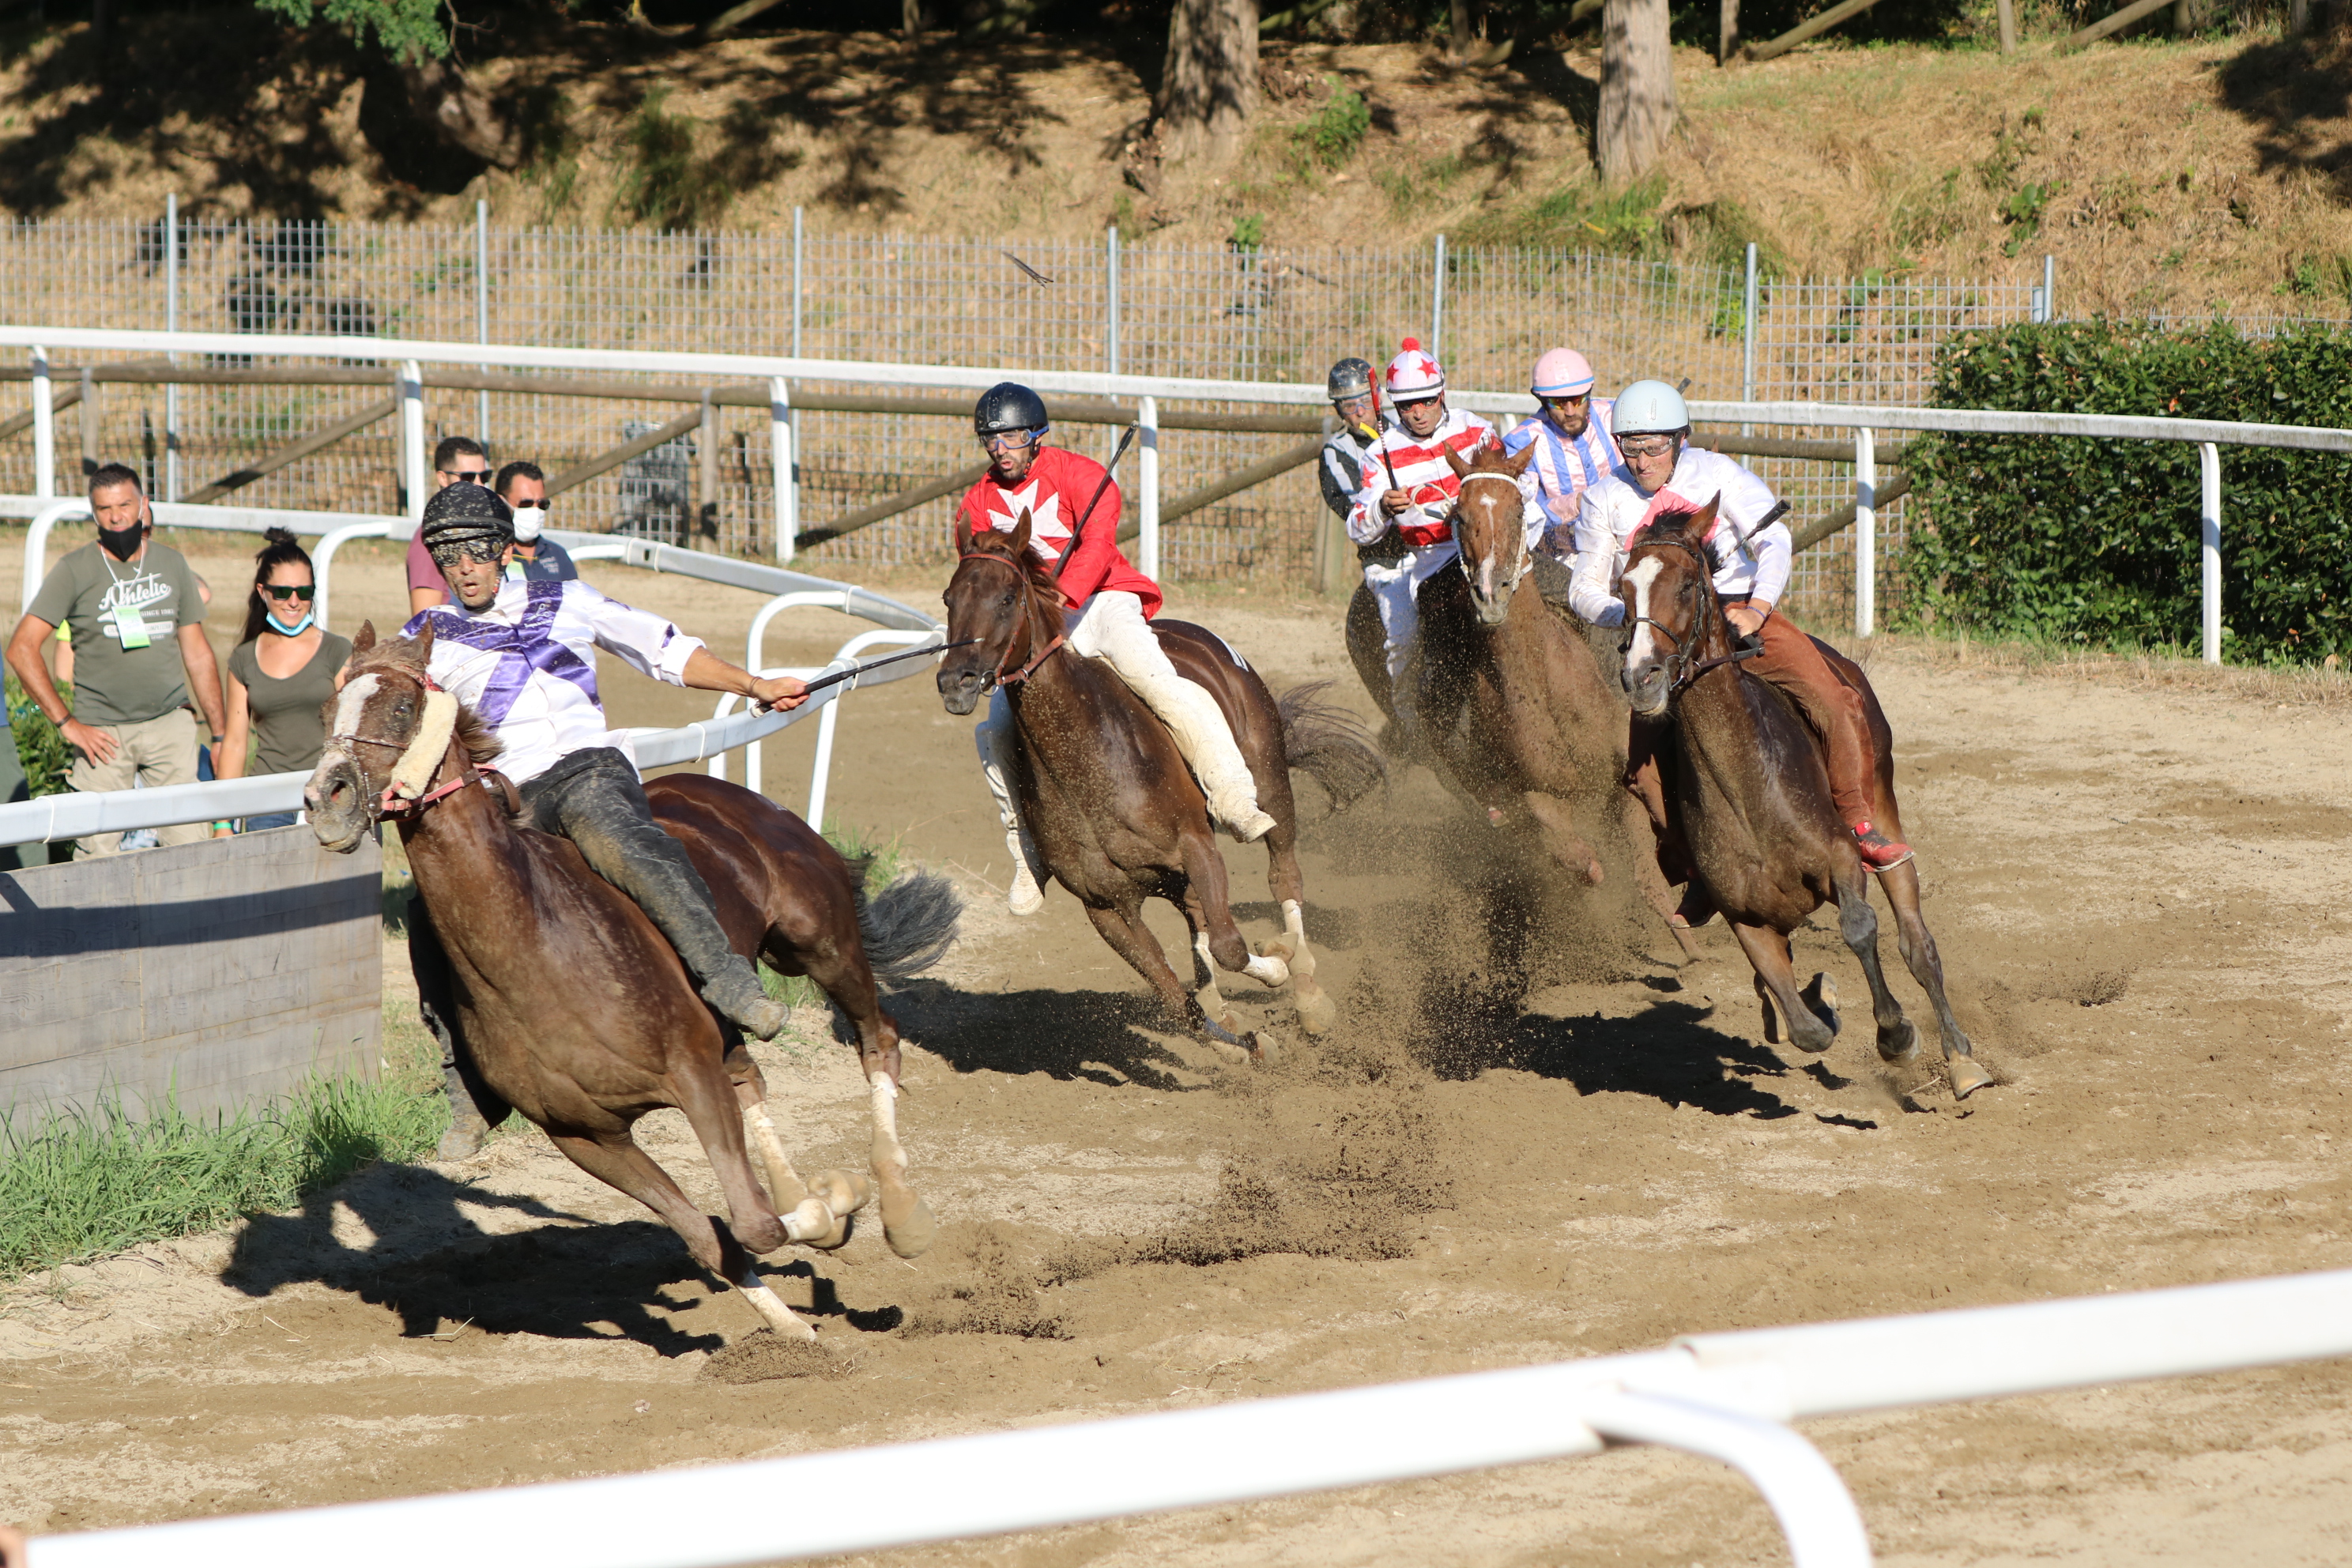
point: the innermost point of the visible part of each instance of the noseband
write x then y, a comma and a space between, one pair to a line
1462, 557
405, 793
1680, 668
1001, 676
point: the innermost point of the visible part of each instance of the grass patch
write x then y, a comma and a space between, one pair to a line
884, 859
90, 1184
1580, 216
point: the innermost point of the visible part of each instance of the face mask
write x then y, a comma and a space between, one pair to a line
297, 629
527, 521
123, 543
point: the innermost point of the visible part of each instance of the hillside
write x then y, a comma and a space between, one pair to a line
2168, 177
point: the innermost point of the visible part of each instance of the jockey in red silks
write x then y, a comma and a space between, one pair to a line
1070, 498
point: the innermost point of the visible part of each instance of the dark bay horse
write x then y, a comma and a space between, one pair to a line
573, 1008
1514, 711
1750, 790
1114, 810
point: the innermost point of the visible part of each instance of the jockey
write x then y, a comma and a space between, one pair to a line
1350, 386
1662, 472
1409, 494
1573, 447
1074, 507
522, 654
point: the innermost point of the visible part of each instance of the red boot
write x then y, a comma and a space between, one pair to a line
1879, 852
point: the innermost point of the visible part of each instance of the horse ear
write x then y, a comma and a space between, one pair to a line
420, 647
1461, 470
1702, 523
1020, 533
1518, 465
364, 640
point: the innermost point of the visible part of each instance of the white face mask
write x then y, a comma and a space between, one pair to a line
528, 521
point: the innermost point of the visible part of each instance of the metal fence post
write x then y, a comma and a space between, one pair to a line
44, 429
1110, 249
412, 437
2049, 288
1437, 305
482, 309
796, 282
2209, 464
707, 452
1147, 487
1865, 532
786, 466
172, 324
1748, 337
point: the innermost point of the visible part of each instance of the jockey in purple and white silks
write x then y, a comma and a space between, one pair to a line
1574, 449
521, 653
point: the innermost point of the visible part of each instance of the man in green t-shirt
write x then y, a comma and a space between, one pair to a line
138, 624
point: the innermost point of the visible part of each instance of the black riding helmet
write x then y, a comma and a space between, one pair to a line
1348, 378
1008, 406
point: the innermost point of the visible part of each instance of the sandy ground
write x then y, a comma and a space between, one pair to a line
2124, 881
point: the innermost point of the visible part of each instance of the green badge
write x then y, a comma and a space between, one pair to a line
130, 625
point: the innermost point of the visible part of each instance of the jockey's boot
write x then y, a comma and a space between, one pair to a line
736, 994
1879, 852
1024, 897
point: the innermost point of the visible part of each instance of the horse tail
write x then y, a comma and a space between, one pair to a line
909, 926
1330, 745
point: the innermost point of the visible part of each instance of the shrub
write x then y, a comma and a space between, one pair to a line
1338, 127
2093, 540
39, 747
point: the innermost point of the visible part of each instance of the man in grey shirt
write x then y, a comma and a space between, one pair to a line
138, 621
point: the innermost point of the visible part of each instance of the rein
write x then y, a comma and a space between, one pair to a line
1679, 665
1000, 676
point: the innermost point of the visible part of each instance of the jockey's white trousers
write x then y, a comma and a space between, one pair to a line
1396, 590
1112, 629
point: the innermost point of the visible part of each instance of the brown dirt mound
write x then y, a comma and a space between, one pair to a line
992, 1291
764, 1355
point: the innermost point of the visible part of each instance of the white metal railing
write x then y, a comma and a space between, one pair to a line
1724, 1395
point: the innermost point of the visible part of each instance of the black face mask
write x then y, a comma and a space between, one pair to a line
123, 543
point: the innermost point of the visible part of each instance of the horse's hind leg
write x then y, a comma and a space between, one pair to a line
1911, 934
618, 1163
1132, 941
1768, 954
1858, 924
1283, 880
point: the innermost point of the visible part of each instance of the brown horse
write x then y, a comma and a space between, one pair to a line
1514, 708
1748, 786
1116, 814
576, 1012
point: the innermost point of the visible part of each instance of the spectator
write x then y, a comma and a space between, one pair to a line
458, 459
280, 676
127, 600
524, 488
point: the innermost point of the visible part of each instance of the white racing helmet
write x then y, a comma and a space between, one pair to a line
1650, 407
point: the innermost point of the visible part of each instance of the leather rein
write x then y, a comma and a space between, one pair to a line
1001, 676
1679, 664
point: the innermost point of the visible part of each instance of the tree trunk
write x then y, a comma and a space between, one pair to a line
1727, 31
1637, 90
461, 113
1209, 88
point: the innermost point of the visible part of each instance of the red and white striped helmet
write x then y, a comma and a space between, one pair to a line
1412, 373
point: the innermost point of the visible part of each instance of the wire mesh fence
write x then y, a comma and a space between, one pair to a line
1149, 309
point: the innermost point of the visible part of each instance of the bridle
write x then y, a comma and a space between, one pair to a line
1681, 669
405, 793
1000, 676
1462, 557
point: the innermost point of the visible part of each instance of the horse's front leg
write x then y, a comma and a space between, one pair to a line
1127, 936
1901, 886
1560, 837
1858, 924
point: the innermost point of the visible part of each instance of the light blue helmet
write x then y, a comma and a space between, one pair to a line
1648, 408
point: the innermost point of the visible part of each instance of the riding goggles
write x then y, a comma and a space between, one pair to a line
1644, 446
1009, 440
484, 548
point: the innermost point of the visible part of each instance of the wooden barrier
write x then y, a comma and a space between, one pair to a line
225, 972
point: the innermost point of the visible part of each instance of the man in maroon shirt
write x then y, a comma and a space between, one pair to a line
1112, 606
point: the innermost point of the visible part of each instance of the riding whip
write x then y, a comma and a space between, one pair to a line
851, 674
1079, 523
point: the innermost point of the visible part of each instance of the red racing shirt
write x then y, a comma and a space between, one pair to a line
1059, 482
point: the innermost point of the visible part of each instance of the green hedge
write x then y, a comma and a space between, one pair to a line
2097, 542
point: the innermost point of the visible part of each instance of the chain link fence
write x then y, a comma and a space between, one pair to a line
1147, 309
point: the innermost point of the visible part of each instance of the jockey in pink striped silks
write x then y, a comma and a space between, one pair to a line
1574, 445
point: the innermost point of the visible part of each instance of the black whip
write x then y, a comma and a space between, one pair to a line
1079, 523
838, 675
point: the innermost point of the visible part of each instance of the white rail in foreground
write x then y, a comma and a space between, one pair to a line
1724, 1395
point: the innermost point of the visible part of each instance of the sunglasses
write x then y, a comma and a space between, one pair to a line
302, 592
479, 550
477, 476
1573, 400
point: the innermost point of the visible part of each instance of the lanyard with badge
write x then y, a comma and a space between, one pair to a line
130, 620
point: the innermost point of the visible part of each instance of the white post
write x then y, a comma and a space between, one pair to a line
784, 456
1748, 337
827, 723
482, 309
1437, 305
1146, 486
2049, 288
2209, 463
172, 324
45, 428
412, 436
1865, 532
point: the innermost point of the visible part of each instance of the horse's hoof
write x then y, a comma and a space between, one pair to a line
1595, 873
1267, 971
1967, 1076
1316, 1012
907, 1222
813, 1224
845, 1192
1264, 1052
1903, 1045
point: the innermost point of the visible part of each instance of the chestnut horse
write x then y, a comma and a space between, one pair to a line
1514, 711
572, 1007
1114, 810
1749, 788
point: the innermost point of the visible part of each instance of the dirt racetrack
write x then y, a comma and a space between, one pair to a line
2136, 884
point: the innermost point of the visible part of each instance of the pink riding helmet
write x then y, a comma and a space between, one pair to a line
1562, 372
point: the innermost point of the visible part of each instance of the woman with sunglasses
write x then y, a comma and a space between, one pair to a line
279, 678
